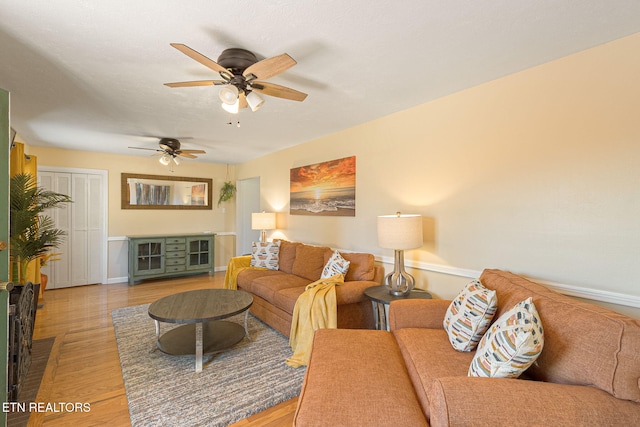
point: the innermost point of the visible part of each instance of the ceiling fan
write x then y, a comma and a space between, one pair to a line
243, 77
170, 150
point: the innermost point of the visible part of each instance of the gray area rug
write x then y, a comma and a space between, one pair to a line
165, 390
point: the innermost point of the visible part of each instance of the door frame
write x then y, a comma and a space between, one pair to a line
248, 201
5, 140
105, 204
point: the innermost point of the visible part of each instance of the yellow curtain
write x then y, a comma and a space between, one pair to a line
19, 162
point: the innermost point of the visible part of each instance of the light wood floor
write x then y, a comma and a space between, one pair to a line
84, 366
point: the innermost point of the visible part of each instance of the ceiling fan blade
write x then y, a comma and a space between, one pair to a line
186, 155
242, 99
197, 83
270, 67
141, 148
278, 91
193, 151
207, 62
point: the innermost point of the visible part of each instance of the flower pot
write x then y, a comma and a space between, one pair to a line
43, 285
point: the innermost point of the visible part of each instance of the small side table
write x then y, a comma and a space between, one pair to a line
381, 298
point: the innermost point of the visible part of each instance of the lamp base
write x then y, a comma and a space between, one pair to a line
399, 283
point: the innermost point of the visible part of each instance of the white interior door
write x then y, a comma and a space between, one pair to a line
248, 201
82, 254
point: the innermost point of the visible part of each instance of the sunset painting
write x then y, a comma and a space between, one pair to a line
324, 189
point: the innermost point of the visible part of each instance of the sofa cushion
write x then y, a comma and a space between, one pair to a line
469, 316
356, 378
265, 254
287, 255
428, 355
266, 287
310, 261
511, 345
335, 265
246, 277
361, 266
285, 299
585, 344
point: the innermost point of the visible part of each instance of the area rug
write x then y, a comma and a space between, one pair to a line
164, 390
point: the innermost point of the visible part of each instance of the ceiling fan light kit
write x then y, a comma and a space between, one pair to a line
243, 77
255, 101
171, 151
231, 108
229, 94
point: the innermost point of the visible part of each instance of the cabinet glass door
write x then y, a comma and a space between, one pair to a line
149, 256
200, 253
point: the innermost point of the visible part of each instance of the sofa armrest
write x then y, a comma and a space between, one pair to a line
417, 313
352, 292
464, 401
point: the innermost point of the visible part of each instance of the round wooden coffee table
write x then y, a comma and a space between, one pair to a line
200, 312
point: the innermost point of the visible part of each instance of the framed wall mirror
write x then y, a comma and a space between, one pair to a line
165, 192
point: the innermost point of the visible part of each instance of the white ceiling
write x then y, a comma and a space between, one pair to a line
88, 75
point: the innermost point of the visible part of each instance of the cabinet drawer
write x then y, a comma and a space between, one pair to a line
171, 240
175, 247
174, 261
176, 254
174, 268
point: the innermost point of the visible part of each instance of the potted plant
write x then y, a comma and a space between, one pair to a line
32, 234
44, 260
227, 191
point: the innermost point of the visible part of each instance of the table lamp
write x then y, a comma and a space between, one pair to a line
399, 232
263, 221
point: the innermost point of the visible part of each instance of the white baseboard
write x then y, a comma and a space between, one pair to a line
113, 280
574, 291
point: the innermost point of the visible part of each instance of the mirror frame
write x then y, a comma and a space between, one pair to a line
124, 191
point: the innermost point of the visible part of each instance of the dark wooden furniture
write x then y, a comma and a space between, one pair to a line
381, 298
201, 313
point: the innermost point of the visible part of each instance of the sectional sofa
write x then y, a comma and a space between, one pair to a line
275, 291
587, 373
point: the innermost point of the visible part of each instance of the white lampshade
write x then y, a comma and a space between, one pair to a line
400, 231
255, 101
228, 94
263, 221
165, 159
233, 108
176, 160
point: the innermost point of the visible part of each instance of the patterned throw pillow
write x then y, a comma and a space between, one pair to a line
511, 345
265, 254
469, 315
336, 265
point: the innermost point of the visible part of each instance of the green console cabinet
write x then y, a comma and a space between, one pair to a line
171, 255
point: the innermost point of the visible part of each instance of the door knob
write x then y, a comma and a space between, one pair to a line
6, 286
3, 245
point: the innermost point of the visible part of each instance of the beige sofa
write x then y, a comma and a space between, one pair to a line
587, 374
275, 291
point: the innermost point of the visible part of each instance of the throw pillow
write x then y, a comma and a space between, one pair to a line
469, 316
511, 345
265, 254
336, 265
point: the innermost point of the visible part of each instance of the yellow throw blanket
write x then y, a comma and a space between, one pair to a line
236, 265
315, 309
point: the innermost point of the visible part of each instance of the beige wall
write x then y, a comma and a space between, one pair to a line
140, 222
537, 173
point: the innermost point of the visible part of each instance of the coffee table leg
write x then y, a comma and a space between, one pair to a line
157, 336
246, 329
199, 347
